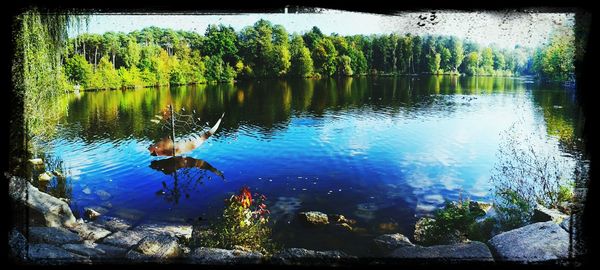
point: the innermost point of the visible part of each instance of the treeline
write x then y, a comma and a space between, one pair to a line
154, 56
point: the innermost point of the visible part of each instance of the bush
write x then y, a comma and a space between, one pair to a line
456, 222
243, 225
530, 170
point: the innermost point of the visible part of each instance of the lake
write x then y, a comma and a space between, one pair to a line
382, 151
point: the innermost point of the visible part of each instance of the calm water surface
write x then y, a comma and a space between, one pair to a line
381, 151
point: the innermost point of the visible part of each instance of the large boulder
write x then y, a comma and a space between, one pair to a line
542, 241
305, 256
159, 246
57, 213
314, 217
52, 235
388, 242
543, 214
472, 251
206, 255
49, 254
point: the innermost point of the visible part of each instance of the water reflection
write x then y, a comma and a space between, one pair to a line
187, 173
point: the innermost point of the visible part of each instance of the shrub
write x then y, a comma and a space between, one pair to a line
243, 225
456, 222
529, 170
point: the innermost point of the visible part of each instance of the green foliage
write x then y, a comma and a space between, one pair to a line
79, 71
243, 225
130, 78
456, 222
267, 50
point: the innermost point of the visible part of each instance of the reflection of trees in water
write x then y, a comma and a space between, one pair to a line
267, 104
187, 174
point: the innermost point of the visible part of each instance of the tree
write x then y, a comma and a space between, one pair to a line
456, 49
301, 62
487, 61
78, 70
472, 63
324, 56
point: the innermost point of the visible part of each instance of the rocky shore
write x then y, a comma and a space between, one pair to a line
106, 239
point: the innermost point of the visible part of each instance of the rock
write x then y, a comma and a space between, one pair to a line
112, 223
107, 204
94, 250
479, 206
93, 212
56, 212
540, 241
392, 241
45, 177
18, 245
90, 231
179, 230
49, 254
159, 246
103, 194
421, 227
87, 191
344, 226
206, 255
58, 174
472, 251
543, 214
52, 235
124, 239
303, 256
138, 257
314, 217
36, 161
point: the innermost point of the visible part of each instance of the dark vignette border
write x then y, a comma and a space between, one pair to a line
585, 91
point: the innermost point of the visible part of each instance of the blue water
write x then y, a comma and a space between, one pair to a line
375, 150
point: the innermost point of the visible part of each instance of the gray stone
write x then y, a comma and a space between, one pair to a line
94, 250
179, 230
103, 194
206, 255
392, 241
124, 239
543, 214
90, 231
540, 241
314, 217
159, 246
17, 244
49, 254
113, 224
56, 212
138, 257
36, 161
52, 235
93, 212
472, 251
303, 256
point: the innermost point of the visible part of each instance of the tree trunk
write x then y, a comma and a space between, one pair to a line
95, 58
114, 61
84, 52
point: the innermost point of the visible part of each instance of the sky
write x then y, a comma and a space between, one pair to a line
505, 29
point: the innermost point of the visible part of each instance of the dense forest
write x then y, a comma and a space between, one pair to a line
155, 56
